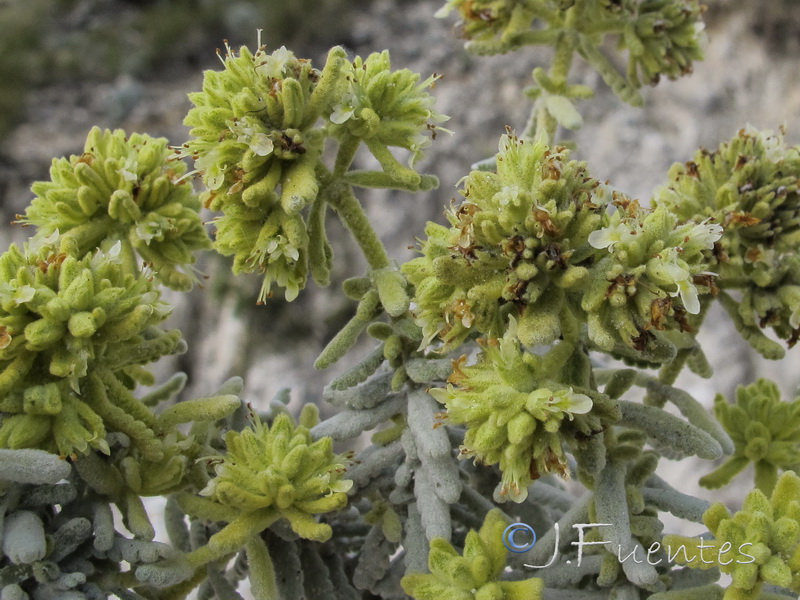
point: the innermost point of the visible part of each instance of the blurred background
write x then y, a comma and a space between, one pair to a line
66, 65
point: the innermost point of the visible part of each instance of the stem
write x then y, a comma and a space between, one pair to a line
562, 62
603, 26
234, 535
541, 122
347, 152
340, 196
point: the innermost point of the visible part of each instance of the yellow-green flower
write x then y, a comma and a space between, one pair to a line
74, 334
123, 188
281, 467
475, 574
518, 414
385, 107
517, 246
765, 431
750, 186
757, 545
256, 143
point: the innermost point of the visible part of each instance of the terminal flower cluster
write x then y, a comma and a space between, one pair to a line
384, 107
476, 573
75, 332
766, 528
518, 414
255, 145
750, 186
540, 235
516, 246
765, 430
280, 467
652, 274
259, 127
661, 37
123, 189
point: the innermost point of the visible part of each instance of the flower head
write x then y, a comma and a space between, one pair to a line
281, 467
514, 247
476, 573
758, 544
750, 186
391, 108
256, 143
73, 330
651, 258
123, 188
765, 431
518, 414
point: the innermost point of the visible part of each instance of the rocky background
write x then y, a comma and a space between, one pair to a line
66, 65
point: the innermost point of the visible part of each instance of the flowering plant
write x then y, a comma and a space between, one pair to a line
496, 372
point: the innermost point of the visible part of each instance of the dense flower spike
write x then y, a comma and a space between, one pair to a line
386, 108
652, 273
750, 185
757, 545
765, 431
75, 332
663, 38
123, 189
517, 245
474, 574
520, 413
280, 467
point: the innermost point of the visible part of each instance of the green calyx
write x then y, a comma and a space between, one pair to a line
520, 411
75, 333
765, 432
757, 545
385, 108
750, 185
475, 574
123, 189
282, 469
257, 150
650, 277
259, 128
517, 245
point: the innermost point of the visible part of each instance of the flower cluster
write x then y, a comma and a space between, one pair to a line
750, 185
517, 412
757, 545
476, 573
765, 431
123, 189
258, 131
256, 147
652, 260
517, 245
485, 19
384, 107
281, 467
73, 335
662, 37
